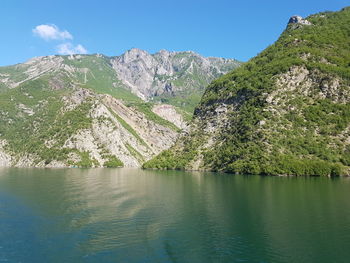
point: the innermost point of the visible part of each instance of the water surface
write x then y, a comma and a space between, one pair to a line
125, 215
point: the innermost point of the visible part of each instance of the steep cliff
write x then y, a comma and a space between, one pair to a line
177, 78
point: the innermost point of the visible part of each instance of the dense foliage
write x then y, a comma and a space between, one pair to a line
301, 133
43, 132
113, 162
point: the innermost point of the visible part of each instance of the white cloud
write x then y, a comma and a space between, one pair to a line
70, 49
80, 49
51, 32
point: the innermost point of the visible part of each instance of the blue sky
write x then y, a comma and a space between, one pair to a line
222, 28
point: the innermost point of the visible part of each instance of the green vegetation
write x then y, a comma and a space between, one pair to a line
185, 114
302, 133
32, 122
47, 101
179, 156
190, 80
16, 72
113, 162
185, 101
100, 77
85, 161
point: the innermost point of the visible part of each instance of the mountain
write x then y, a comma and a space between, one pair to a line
177, 78
285, 112
94, 110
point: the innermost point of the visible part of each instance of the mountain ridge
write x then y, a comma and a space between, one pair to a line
160, 76
76, 110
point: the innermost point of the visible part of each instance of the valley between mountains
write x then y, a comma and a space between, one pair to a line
284, 112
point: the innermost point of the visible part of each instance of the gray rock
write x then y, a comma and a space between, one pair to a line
298, 20
148, 75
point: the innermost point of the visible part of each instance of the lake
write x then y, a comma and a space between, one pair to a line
131, 215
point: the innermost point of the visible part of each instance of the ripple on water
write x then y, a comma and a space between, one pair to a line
117, 215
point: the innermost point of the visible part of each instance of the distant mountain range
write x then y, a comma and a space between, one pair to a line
94, 110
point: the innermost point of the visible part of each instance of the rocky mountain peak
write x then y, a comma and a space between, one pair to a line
135, 54
148, 75
164, 54
298, 20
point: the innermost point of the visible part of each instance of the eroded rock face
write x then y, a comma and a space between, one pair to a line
5, 158
144, 74
116, 130
148, 75
157, 137
169, 113
133, 144
298, 20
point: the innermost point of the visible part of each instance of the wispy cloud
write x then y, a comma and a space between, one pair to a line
51, 32
70, 49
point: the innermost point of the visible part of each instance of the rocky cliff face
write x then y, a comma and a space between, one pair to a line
80, 128
298, 20
179, 78
93, 110
167, 73
285, 112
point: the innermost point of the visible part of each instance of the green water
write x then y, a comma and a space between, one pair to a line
121, 215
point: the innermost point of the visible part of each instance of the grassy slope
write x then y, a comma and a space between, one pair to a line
101, 77
27, 134
295, 150
31, 133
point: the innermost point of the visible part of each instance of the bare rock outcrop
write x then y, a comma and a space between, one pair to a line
296, 21
5, 158
169, 113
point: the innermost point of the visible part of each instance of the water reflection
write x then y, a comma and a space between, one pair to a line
129, 215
